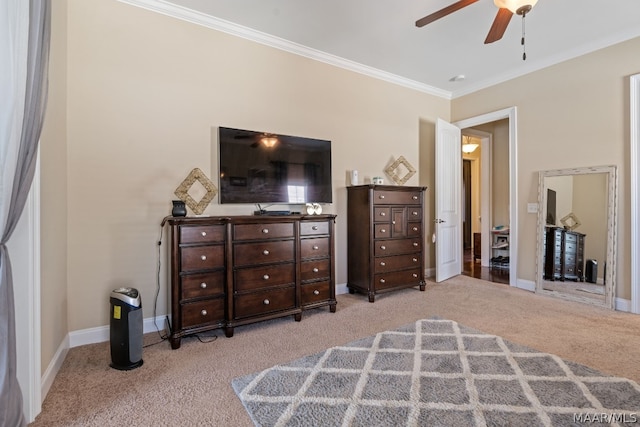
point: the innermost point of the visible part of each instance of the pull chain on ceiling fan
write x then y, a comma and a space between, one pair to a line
506, 9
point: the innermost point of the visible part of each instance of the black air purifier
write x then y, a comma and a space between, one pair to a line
591, 273
126, 329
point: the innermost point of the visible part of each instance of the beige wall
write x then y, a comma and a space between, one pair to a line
569, 115
53, 199
145, 93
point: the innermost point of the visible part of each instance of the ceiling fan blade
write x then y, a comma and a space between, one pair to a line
499, 26
444, 12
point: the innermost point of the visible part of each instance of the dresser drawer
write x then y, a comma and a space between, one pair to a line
263, 252
382, 230
396, 247
202, 312
414, 214
397, 262
311, 228
397, 197
316, 269
382, 214
415, 229
201, 257
262, 302
397, 278
315, 292
314, 248
263, 277
202, 285
201, 233
263, 231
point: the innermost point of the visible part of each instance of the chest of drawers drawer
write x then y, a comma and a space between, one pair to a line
263, 252
311, 228
265, 301
398, 278
395, 247
202, 312
315, 292
202, 285
315, 269
252, 278
396, 262
263, 231
196, 258
202, 233
314, 248
397, 197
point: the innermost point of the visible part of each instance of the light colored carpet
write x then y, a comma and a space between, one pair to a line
191, 386
437, 373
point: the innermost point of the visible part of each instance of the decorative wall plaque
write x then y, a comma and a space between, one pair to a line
396, 168
183, 191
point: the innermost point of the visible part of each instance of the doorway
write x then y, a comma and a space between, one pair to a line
474, 264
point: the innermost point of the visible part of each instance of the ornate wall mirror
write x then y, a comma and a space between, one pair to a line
577, 211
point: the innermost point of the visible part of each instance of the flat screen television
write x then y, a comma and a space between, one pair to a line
265, 168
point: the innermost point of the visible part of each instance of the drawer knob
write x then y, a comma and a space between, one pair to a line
316, 292
381, 196
382, 263
314, 228
204, 312
383, 214
415, 244
383, 247
203, 285
415, 259
265, 252
265, 230
383, 230
265, 277
415, 197
393, 222
414, 213
204, 233
315, 247
203, 257
415, 275
415, 228
382, 281
315, 269
265, 302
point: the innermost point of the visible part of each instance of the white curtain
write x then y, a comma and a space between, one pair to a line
24, 54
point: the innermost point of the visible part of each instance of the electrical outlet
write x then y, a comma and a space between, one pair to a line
532, 207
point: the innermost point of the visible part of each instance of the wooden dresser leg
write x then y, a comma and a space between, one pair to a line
332, 308
372, 297
228, 331
175, 343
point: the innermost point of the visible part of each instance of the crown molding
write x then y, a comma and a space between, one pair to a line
194, 17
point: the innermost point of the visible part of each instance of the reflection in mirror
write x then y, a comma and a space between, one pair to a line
576, 234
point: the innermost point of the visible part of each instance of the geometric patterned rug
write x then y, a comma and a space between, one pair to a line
436, 372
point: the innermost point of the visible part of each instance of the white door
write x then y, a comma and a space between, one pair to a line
448, 194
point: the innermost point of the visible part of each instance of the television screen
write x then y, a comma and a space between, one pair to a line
258, 167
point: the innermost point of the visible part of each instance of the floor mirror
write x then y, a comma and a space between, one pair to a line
576, 230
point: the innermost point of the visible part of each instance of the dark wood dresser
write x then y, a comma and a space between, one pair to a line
563, 254
231, 271
384, 239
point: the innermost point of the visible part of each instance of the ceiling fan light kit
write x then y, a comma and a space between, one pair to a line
519, 7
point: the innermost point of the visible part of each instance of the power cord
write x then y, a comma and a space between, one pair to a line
155, 302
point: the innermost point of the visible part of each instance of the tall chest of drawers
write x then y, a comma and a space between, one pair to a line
384, 238
231, 271
563, 254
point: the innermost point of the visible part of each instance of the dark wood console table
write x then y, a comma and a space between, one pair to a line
232, 271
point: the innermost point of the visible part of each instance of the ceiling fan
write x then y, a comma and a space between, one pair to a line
506, 9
